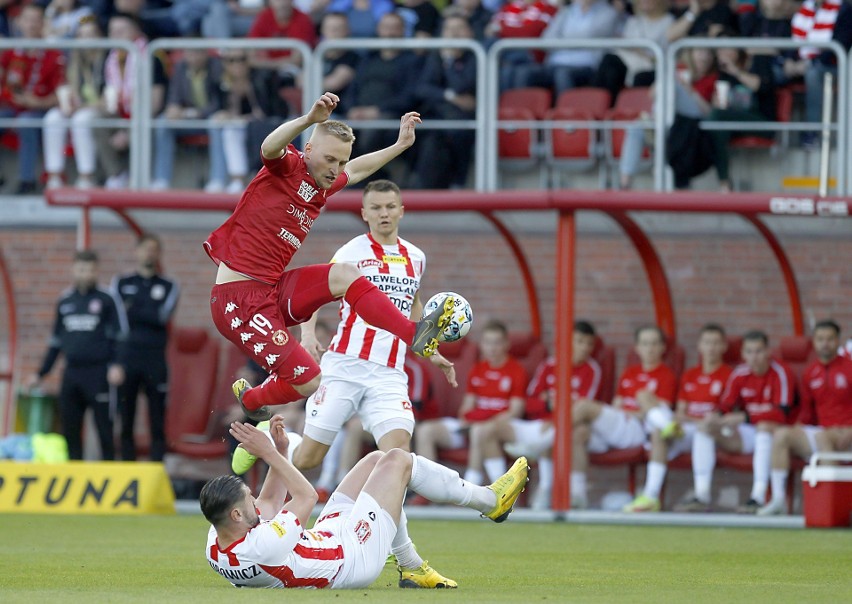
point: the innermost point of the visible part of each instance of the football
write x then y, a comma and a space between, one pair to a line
461, 320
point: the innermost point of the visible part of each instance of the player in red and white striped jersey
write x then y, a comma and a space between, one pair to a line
363, 370
533, 435
256, 299
700, 390
759, 397
264, 543
642, 403
825, 421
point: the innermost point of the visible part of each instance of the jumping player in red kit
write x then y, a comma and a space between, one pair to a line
255, 299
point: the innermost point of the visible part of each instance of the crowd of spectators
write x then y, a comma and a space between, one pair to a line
248, 92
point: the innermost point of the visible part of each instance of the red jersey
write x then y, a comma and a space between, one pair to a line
523, 20
272, 219
765, 398
299, 27
660, 380
827, 393
492, 387
702, 391
38, 72
585, 383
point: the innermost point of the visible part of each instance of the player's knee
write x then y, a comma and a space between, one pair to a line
308, 388
341, 276
782, 436
397, 461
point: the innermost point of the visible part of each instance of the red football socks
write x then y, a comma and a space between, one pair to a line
376, 308
271, 392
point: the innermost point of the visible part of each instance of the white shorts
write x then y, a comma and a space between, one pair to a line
615, 429
366, 532
458, 432
747, 434
378, 394
536, 433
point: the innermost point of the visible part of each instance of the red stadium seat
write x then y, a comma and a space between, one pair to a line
632, 458
192, 427
797, 352
569, 148
605, 356
536, 100
519, 148
595, 101
527, 350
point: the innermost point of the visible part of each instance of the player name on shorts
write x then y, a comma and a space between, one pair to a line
289, 238
236, 574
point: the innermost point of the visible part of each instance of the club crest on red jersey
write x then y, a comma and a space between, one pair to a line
280, 337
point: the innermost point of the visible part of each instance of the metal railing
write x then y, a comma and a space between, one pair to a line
493, 98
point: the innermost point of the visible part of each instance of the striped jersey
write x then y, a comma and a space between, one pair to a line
396, 270
278, 553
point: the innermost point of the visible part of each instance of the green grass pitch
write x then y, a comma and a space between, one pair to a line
161, 560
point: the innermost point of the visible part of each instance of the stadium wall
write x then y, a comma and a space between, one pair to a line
730, 278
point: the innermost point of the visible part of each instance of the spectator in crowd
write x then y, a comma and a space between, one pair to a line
748, 96
63, 17
700, 391
496, 391
155, 19
230, 18
447, 91
81, 102
193, 93
241, 104
758, 399
282, 20
825, 423
338, 68
704, 18
688, 148
28, 82
121, 76
382, 87
534, 433
635, 67
771, 19
519, 19
89, 325
642, 403
149, 299
363, 15
478, 17
422, 19
568, 68
817, 21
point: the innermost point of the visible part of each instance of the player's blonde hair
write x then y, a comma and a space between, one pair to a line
338, 129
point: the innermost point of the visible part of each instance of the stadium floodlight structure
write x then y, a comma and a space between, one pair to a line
618, 205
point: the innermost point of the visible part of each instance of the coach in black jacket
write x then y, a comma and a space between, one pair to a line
149, 299
89, 326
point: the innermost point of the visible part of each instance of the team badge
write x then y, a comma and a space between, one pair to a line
280, 337
158, 292
363, 531
406, 405
95, 306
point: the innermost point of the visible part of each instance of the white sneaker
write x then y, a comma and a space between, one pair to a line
54, 181
235, 186
119, 181
214, 186
541, 499
579, 502
773, 508
159, 185
84, 182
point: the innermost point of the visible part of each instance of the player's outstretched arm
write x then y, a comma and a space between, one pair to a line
276, 142
362, 167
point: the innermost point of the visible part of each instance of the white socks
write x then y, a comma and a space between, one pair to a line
761, 463
545, 473
654, 479
442, 485
402, 547
778, 480
494, 468
578, 485
703, 462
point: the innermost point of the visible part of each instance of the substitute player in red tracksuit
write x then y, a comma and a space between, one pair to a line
256, 299
825, 421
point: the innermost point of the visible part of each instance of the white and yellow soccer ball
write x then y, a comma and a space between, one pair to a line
461, 320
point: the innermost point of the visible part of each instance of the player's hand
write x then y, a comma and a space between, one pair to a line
446, 366
406, 128
312, 345
115, 375
253, 440
323, 108
279, 434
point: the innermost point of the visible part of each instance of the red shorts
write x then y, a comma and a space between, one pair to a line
255, 317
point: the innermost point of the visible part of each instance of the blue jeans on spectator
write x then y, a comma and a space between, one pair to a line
222, 22
164, 153
814, 77
30, 143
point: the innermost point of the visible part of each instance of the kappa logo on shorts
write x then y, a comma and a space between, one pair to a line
236, 322
363, 531
258, 348
246, 336
271, 358
299, 371
280, 337
230, 307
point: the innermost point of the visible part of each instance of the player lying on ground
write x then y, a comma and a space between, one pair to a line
263, 543
255, 299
